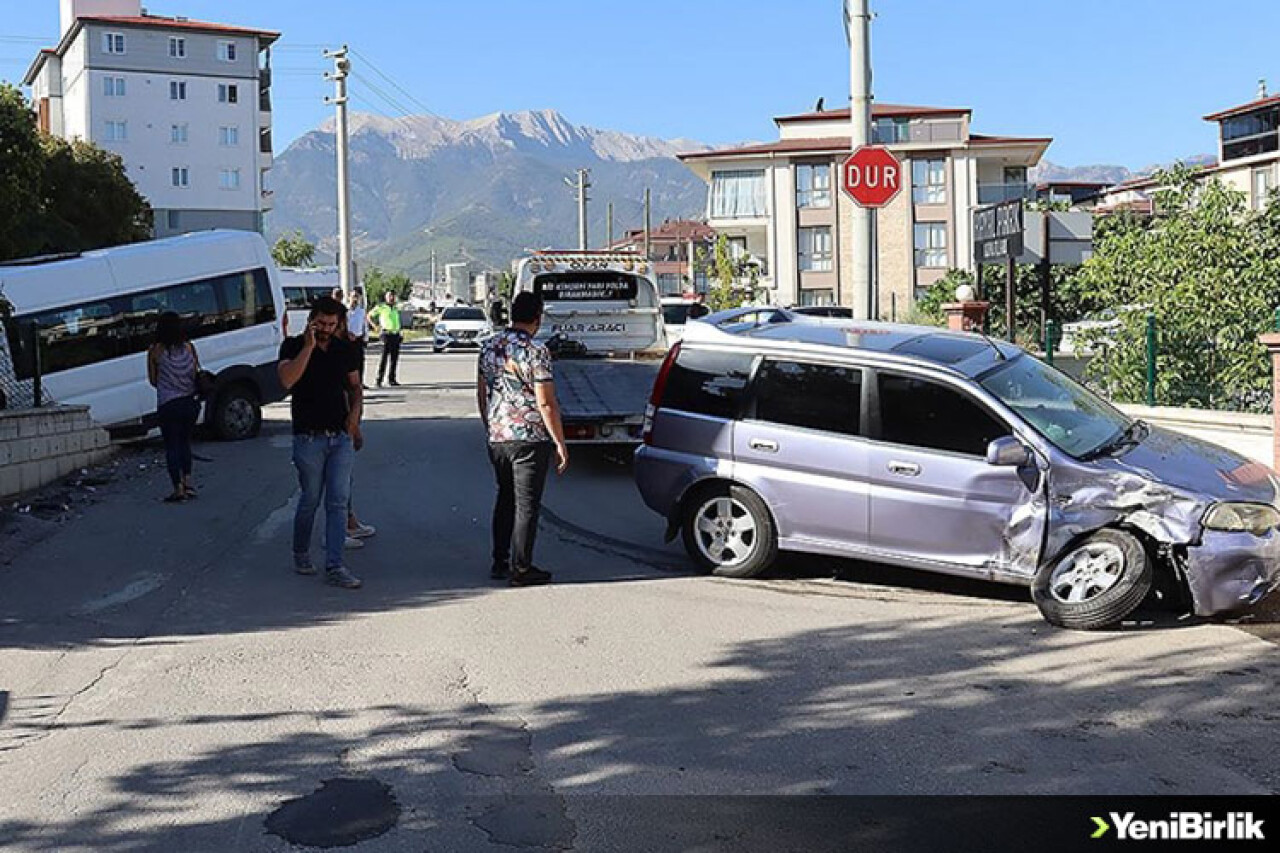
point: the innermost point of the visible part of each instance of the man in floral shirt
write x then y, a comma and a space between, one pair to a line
518, 405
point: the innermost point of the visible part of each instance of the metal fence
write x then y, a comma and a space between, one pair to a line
21, 366
1151, 376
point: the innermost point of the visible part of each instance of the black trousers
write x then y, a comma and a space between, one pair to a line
361, 345
390, 353
177, 421
520, 468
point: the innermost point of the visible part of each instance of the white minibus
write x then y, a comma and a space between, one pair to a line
94, 315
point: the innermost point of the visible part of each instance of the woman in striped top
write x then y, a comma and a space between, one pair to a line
172, 365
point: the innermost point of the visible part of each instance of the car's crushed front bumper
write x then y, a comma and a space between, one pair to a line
1230, 571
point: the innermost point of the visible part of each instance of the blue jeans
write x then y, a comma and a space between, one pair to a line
324, 470
177, 420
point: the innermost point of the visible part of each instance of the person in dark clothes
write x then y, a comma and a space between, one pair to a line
517, 400
172, 365
319, 368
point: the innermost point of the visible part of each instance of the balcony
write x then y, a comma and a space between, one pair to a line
994, 193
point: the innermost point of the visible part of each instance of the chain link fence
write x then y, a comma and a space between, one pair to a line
21, 373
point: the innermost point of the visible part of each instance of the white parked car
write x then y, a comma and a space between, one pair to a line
461, 326
676, 312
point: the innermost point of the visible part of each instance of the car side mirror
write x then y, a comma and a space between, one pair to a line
1008, 452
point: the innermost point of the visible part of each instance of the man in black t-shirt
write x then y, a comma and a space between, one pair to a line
322, 372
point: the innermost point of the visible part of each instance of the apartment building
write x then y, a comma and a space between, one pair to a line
681, 250
781, 203
186, 104
1248, 157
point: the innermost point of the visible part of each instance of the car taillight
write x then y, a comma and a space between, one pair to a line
659, 387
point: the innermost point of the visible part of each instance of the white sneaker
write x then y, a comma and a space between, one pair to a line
352, 543
364, 531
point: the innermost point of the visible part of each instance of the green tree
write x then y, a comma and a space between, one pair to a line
60, 196
725, 292
21, 168
293, 250
1208, 269
506, 285
89, 202
378, 282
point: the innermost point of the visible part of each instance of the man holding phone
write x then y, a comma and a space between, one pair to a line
321, 371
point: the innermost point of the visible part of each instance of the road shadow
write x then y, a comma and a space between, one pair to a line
946, 705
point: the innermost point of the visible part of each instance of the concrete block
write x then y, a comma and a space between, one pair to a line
5, 453
50, 470
101, 439
54, 445
19, 450
73, 442
29, 474
10, 480
8, 428
28, 426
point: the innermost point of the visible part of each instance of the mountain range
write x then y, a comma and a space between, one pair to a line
484, 190
489, 189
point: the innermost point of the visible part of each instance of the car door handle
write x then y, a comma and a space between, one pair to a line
764, 445
904, 469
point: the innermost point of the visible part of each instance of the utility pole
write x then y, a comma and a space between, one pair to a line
858, 27
434, 279
341, 68
647, 227
610, 218
582, 185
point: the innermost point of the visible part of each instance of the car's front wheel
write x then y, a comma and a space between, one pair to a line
1096, 583
728, 531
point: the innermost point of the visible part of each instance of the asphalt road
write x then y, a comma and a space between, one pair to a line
168, 683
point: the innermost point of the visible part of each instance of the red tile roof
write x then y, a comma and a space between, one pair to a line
878, 111
839, 145
784, 146
179, 24
1243, 108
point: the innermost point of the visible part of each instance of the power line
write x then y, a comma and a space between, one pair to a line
395, 104
413, 99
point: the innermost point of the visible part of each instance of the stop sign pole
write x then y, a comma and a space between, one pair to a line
858, 28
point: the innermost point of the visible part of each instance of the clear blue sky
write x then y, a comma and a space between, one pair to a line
1113, 81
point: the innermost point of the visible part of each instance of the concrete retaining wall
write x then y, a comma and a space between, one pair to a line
39, 446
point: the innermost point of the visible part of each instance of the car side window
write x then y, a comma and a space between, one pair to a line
707, 382
813, 396
933, 416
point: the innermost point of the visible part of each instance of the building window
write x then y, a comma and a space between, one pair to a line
181, 176
1250, 134
177, 47
737, 247
887, 131
227, 51
738, 194
670, 283
931, 244
929, 181
178, 134
177, 90
228, 93
817, 297
815, 249
113, 43
1263, 183
113, 87
117, 131
229, 179
813, 186
229, 137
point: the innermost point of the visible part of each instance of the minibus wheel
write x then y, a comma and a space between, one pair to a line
237, 414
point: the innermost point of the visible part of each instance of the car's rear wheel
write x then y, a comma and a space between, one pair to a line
728, 531
1096, 583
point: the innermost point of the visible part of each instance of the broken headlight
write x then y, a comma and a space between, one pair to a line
1242, 518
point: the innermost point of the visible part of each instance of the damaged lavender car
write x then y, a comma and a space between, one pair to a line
946, 452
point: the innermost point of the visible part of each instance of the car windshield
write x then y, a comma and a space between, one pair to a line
1072, 417
463, 314
676, 315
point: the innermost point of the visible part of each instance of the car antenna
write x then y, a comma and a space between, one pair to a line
999, 355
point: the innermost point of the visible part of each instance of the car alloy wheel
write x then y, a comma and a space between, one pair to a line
726, 532
1087, 573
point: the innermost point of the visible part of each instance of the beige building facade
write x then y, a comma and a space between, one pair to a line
780, 203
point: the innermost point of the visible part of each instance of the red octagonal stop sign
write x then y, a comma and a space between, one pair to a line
871, 175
